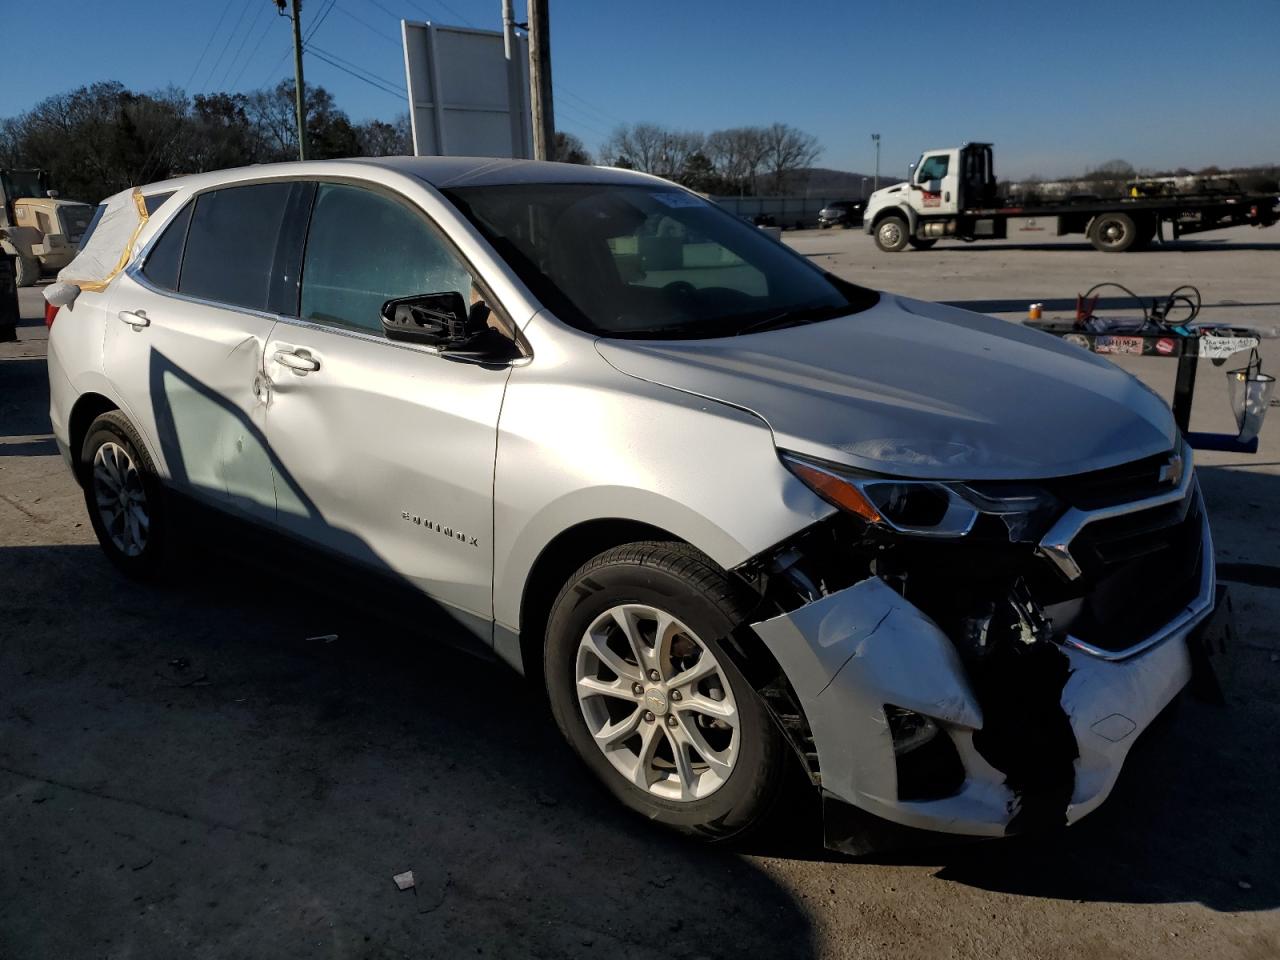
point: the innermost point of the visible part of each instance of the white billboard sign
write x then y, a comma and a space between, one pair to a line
466, 99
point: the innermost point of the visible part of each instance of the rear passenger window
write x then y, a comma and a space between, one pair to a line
364, 249
231, 244
165, 258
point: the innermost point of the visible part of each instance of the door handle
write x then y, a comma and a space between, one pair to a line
134, 318
297, 362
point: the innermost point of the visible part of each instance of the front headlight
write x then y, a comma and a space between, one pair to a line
927, 508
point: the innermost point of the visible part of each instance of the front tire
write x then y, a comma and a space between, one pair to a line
27, 271
892, 234
123, 496
643, 688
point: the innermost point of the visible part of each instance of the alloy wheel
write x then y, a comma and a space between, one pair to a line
121, 499
657, 702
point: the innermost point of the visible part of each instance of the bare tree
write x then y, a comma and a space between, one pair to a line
787, 150
571, 149
738, 154
652, 148
378, 138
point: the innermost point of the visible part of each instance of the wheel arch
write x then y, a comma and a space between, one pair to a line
556, 562
87, 408
574, 546
905, 213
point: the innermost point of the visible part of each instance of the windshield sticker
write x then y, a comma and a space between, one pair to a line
675, 200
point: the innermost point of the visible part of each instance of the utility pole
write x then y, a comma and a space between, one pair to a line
544, 122
875, 138
299, 88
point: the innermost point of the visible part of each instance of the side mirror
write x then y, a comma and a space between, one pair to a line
433, 319
934, 186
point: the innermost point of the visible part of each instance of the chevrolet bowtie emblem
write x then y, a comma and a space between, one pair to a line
1171, 472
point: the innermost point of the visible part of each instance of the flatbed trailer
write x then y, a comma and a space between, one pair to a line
952, 193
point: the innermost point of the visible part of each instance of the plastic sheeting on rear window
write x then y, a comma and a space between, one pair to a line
110, 246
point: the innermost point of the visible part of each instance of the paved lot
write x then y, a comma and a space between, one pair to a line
184, 772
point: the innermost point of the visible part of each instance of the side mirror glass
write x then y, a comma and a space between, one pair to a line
934, 186
433, 319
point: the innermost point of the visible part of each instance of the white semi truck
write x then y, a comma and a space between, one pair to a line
953, 193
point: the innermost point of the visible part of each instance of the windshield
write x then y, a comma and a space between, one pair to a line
24, 184
651, 261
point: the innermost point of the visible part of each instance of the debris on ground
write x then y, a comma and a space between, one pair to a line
180, 672
404, 881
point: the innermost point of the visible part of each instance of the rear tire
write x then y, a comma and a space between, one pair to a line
892, 234
1113, 232
124, 496
1146, 236
27, 271
919, 244
703, 756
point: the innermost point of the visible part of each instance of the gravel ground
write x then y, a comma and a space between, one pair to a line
184, 772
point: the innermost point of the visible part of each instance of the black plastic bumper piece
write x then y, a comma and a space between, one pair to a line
1210, 645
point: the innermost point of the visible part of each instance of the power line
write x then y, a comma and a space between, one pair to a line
386, 10
218, 62
208, 42
391, 84
319, 21
346, 66
424, 12
243, 40
580, 120
586, 107
386, 36
279, 63
252, 53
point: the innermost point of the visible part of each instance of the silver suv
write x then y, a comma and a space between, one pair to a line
738, 515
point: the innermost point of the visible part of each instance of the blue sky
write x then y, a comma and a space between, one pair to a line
1057, 86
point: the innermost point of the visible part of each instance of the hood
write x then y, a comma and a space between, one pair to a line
918, 389
885, 192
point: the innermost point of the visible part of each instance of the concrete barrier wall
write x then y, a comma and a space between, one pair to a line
786, 211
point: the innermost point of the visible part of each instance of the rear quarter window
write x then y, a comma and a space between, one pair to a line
155, 200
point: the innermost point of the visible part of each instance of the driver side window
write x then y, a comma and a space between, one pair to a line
364, 249
933, 168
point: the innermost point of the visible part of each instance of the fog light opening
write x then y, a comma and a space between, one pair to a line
910, 730
928, 764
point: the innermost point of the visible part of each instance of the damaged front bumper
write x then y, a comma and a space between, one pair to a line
864, 651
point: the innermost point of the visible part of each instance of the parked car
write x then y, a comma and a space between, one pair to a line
737, 515
842, 213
